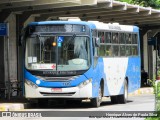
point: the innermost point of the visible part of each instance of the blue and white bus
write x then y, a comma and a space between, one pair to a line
81, 60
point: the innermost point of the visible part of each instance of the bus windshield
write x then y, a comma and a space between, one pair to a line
57, 53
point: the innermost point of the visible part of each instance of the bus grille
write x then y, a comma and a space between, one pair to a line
59, 79
57, 94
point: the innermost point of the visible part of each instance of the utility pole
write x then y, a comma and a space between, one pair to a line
8, 63
156, 57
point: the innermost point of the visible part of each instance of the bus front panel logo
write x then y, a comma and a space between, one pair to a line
66, 83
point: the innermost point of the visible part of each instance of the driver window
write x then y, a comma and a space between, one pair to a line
48, 53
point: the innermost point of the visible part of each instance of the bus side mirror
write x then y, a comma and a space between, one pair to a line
21, 37
20, 41
97, 42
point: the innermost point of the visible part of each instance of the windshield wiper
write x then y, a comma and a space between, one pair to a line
74, 35
72, 38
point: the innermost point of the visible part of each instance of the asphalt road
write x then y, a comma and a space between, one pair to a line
135, 103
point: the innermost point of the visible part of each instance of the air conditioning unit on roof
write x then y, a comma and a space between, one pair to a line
69, 18
115, 23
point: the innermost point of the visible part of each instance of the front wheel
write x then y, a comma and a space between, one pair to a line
97, 101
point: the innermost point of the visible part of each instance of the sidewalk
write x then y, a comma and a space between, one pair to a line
144, 90
12, 106
15, 104
20, 105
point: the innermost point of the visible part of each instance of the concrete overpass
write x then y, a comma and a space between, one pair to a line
18, 13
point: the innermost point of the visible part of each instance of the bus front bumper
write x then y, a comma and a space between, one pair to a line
70, 92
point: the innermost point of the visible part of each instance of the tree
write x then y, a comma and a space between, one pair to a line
145, 3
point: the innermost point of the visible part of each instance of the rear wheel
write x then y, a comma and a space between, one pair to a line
97, 101
123, 98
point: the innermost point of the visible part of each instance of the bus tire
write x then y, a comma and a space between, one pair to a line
123, 98
97, 101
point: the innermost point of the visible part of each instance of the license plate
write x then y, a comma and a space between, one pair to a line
56, 89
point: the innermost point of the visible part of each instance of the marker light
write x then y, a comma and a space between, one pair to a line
54, 43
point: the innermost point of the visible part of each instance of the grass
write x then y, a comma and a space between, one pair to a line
156, 86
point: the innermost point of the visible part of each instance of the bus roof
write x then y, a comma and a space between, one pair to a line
114, 27
93, 25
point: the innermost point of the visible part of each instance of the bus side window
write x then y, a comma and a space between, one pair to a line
109, 50
94, 36
115, 38
128, 38
134, 38
134, 45
128, 44
128, 50
135, 50
115, 50
121, 38
101, 36
102, 50
108, 37
122, 44
115, 41
122, 50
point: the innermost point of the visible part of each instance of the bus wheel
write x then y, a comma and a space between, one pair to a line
97, 101
123, 98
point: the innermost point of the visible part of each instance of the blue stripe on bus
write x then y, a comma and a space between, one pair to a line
133, 73
97, 73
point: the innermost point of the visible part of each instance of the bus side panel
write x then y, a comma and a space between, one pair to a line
134, 73
98, 75
115, 73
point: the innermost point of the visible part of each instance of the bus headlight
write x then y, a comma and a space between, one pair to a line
85, 83
28, 82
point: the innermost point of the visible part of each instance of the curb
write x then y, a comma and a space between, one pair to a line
13, 106
147, 90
